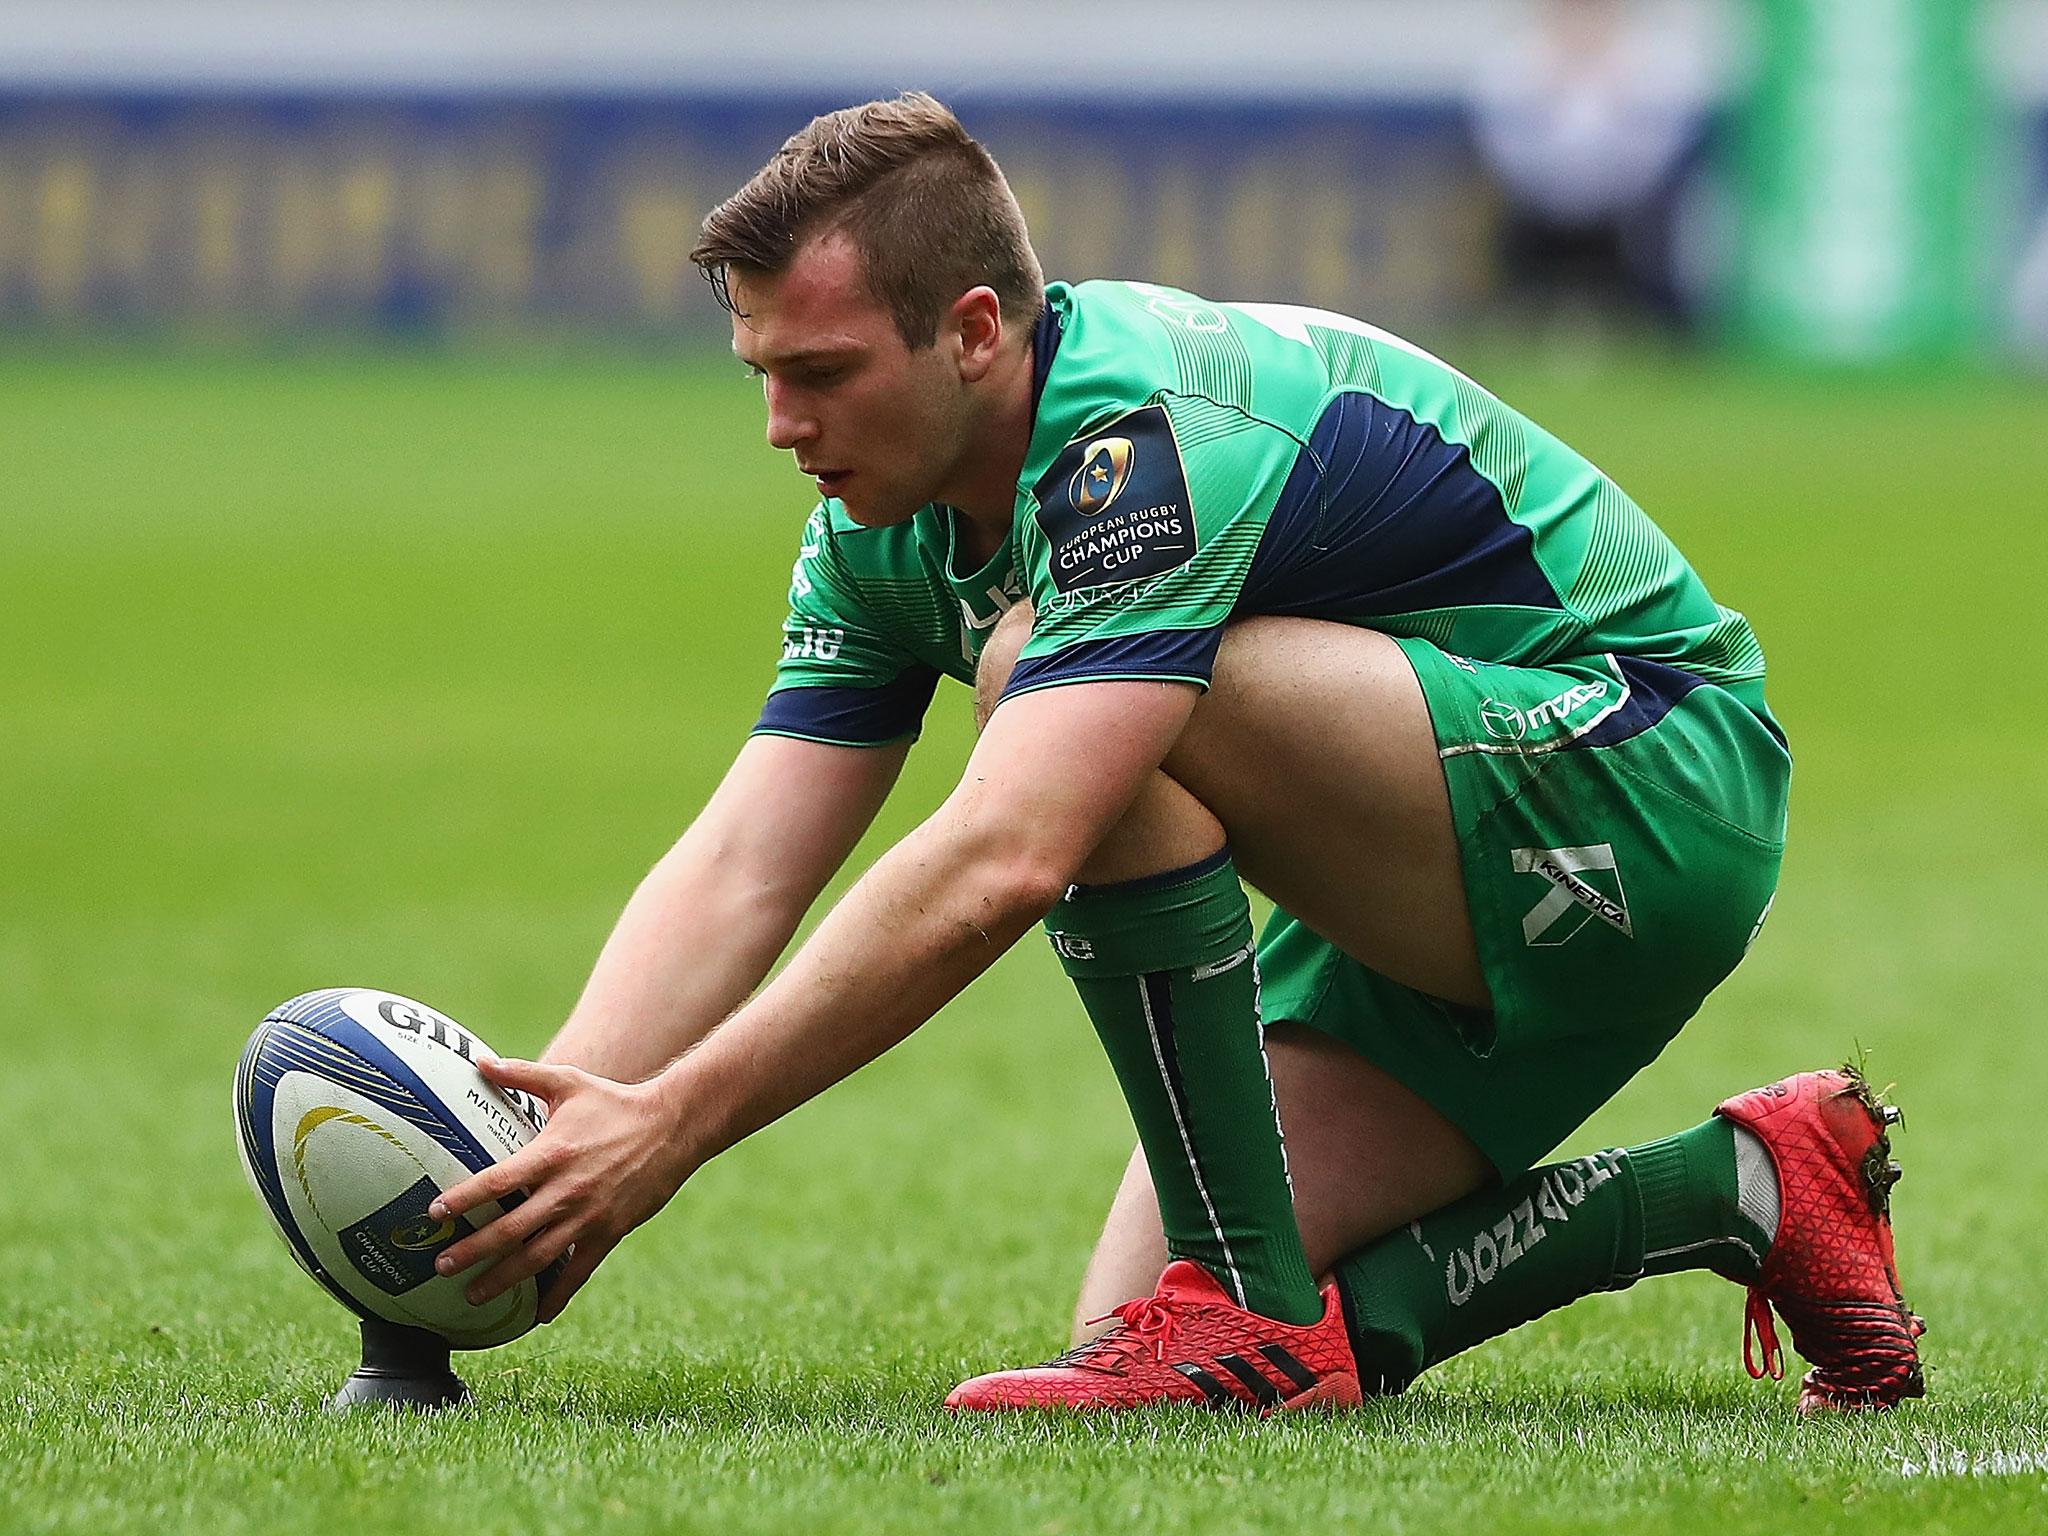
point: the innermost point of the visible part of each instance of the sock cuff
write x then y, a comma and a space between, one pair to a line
1194, 916
1666, 1184
1187, 874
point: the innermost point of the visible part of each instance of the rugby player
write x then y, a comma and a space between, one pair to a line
1244, 592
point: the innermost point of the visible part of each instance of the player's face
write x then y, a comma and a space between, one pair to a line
872, 422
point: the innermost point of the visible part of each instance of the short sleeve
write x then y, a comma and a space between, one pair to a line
841, 679
1140, 542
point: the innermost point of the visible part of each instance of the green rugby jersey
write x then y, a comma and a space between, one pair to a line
1195, 462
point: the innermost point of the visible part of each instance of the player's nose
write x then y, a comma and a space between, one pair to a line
788, 426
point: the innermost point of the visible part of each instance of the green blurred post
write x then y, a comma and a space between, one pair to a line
1862, 167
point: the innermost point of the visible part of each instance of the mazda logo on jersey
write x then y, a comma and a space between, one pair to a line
1115, 507
1105, 467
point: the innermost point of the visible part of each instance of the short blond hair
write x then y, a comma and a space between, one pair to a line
926, 206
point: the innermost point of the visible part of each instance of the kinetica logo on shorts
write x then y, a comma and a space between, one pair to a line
1575, 898
1114, 505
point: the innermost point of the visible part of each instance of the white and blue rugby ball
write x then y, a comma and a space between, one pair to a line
353, 1109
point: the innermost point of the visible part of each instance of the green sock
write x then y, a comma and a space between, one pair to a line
1701, 1209
1167, 971
1502, 1257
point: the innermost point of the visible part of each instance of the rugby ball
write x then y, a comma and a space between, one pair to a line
353, 1109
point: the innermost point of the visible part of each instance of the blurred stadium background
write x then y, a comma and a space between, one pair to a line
390, 561
1820, 177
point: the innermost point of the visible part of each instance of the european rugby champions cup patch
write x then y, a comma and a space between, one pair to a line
1115, 505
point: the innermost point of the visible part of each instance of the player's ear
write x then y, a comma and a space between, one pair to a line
976, 318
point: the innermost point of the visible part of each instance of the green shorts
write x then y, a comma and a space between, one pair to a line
1620, 824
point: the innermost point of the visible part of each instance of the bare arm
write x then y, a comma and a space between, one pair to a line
711, 917
1052, 774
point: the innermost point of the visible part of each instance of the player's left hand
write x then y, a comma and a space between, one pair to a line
610, 1156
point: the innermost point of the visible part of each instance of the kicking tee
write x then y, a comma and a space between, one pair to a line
1194, 462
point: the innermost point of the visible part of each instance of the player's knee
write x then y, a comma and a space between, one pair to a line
998, 659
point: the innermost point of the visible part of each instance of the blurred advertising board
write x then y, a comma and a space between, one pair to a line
425, 214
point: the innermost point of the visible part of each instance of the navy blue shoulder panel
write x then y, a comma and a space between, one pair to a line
852, 717
1380, 515
1164, 653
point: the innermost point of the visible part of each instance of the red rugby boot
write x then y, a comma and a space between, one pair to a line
1187, 1343
1830, 1272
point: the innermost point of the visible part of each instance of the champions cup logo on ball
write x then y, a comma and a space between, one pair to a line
423, 1232
1105, 466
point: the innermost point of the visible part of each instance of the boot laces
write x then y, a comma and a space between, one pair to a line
1145, 1325
1759, 1330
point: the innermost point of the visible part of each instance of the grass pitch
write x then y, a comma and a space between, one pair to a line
400, 672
